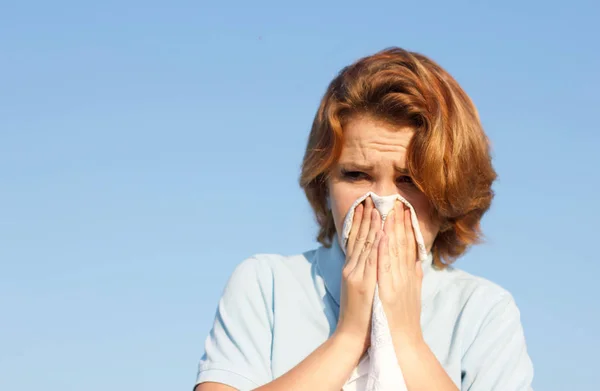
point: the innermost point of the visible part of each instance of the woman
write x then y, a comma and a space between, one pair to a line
391, 123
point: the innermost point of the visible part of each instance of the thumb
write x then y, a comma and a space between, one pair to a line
419, 268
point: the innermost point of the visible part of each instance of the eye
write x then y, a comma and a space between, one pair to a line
405, 179
354, 175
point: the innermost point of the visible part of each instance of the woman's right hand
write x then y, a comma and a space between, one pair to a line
359, 276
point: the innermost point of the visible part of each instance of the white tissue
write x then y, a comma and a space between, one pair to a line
379, 369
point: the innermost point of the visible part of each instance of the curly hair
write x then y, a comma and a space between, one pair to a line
448, 156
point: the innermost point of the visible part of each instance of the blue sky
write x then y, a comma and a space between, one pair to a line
146, 148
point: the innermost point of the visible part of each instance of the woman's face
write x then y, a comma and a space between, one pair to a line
373, 159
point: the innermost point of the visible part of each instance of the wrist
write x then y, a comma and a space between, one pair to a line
351, 344
408, 341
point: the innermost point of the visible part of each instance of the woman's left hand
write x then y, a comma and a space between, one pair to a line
400, 277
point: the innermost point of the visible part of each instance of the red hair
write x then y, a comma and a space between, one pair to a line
448, 157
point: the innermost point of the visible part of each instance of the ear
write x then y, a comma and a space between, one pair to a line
445, 226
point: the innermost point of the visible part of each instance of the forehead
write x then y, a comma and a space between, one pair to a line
366, 139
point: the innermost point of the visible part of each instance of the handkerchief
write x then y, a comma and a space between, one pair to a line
378, 370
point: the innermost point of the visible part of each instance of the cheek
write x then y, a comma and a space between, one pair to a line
428, 225
339, 209
341, 201
342, 198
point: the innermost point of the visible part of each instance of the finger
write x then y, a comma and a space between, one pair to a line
388, 226
411, 247
397, 219
390, 231
372, 265
361, 235
365, 225
365, 253
401, 240
419, 269
358, 215
384, 262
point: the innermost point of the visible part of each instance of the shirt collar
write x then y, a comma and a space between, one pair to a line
330, 261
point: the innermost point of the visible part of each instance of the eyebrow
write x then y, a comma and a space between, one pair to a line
368, 167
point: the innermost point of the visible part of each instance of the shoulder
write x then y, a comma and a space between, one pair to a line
272, 263
469, 288
487, 325
263, 270
478, 305
249, 294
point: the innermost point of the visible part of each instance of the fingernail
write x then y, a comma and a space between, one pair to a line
374, 213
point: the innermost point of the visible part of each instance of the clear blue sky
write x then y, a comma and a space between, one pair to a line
146, 148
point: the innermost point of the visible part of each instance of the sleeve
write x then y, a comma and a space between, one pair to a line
497, 359
238, 348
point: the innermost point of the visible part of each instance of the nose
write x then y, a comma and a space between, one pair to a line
385, 188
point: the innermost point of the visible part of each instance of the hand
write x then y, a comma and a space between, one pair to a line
359, 275
400, 276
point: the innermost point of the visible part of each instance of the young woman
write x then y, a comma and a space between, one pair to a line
391, 123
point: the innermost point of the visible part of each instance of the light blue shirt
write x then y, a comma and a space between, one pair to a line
276, 310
